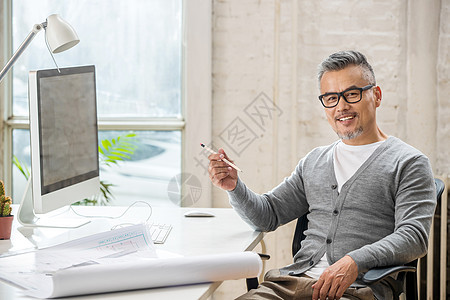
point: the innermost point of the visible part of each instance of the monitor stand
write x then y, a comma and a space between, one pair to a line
27, 217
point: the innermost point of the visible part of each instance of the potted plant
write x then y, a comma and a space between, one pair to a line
5, 214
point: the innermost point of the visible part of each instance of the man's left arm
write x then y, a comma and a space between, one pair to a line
415, 203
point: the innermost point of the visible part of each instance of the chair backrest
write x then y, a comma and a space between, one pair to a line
411, 282
411, 277
299, 236
440, 186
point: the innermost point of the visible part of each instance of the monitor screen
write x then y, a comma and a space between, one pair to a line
67, 129
64, 136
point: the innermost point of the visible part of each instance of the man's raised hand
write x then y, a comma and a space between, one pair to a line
220, 173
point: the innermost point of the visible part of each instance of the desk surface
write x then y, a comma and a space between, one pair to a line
224, 233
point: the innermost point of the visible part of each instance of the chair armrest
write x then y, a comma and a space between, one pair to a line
252, 283
376, 274
264, 256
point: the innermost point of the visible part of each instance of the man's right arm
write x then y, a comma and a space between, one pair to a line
264, 212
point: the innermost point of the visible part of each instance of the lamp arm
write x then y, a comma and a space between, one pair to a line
23, 46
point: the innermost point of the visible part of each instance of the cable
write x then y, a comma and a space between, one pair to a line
118, 217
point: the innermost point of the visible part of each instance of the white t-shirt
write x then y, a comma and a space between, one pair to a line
347, 160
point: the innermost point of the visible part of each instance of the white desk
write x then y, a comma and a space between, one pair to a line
225, 232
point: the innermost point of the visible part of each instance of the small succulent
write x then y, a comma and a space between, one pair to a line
5, 202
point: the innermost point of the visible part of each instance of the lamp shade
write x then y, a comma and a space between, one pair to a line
59, 34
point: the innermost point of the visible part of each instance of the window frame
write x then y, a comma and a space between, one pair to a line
195, 96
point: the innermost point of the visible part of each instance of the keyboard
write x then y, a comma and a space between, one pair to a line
160, 232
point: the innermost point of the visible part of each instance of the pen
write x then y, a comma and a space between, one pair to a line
224, 159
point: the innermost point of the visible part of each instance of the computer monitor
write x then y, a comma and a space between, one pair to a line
64, 144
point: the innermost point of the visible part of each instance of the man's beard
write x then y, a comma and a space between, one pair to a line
348, 135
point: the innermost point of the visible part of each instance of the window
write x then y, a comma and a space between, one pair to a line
143, 74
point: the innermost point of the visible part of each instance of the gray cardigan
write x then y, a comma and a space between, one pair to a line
381, 217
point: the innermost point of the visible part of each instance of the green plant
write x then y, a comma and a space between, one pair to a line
119, 149
5, 202
23, 168
111, 151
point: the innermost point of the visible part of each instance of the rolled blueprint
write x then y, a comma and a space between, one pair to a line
148, 273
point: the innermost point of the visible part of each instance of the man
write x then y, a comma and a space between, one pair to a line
369, 197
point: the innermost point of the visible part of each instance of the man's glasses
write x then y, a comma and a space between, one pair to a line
351, 95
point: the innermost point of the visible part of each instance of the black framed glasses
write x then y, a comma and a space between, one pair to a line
350, 95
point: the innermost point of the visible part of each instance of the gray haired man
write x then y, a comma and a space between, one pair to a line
370, 197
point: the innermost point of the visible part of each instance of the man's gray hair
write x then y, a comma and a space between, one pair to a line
340, 60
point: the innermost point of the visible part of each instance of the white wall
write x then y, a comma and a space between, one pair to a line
274, 47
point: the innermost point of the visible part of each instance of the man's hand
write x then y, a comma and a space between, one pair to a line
220, 173
336, 279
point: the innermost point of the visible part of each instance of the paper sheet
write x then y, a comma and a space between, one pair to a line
120, 245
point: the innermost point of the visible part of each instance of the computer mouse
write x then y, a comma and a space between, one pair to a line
197, 213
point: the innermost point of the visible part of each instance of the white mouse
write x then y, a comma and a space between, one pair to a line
197, 213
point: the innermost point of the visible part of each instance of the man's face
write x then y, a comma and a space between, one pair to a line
354, 123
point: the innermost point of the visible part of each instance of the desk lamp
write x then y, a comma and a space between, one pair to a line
59, 36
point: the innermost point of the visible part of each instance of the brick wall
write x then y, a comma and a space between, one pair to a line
274, 47
443, 87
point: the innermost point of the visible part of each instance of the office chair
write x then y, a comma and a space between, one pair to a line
406, 282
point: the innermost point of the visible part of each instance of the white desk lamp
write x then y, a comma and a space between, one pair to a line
59, 36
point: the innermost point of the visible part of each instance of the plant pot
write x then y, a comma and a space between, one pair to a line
5, 227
